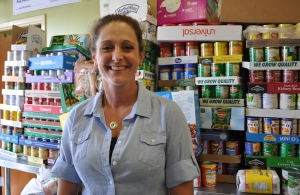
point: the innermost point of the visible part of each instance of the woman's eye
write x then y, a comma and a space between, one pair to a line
106, 48
128, 48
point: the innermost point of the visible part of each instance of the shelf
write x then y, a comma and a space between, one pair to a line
42, 93
273, 138
268, 161
143, 74
40, 115
256, 112
228, 80
221, 59
12, 92
272, 43
219, 189
16, 63
9, 107
263, 87
30, 125
178, 60
174, 83
39, 144
43, 109
67, 77
289, 65
9, 138
13, 79
217, 102
219, 158
11, 123
41, 132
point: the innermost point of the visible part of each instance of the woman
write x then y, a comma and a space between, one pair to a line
125, 140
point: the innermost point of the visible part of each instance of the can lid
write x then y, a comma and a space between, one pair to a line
178, 43
190, 65
185, 24
178, 66
166, 45
192, 43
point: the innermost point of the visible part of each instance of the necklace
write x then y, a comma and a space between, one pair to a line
114, 124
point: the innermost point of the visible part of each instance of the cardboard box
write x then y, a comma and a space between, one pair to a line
261, 43
36, 38
273, 138
52, 63
288, 65
227, 80
263, 87
273, 113
270, 161
259, 12
217, 102
39, 144
178, 60
67, 77
222, 118
182, 11
199, 33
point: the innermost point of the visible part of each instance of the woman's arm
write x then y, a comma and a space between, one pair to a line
67, 188
185, 188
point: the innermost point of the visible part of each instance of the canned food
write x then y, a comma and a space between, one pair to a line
205, 147
4, 129
206, 49
192, 48
287, 53
271, 126
270, 31
42, 101
34, 86
9, 85
28, 100
287, 150
203, 70
217, 147
287, 101
47, 86
9, 146
26, 150
283, 29
19, 116
15, 71
57, 102
207, 91
53, 153
256, 54
190, 71
19, 86
43, 153
208, 173
232, 148
273, 76
53, 72
60, 72
270, 149
220, 48
6, 99
35, 101
177, 72
8, 71
256, 76
44, 72
37, 72
20, 100
217, 70
253, 124
178, 49
17, 148
232, 168
221, 168
54, 86
13, 115
40, 86
289, 76
272, 54
10, 56
236, 92
287, 125
6, 115
50, 101
252, 148
294, 182
222, 91
253, 100
235, 47
253, 33
22, 71
270, 101
3, 145
232, 69
34, 151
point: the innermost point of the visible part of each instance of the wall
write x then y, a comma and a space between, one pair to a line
75, 18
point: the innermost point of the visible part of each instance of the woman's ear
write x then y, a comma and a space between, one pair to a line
142, 55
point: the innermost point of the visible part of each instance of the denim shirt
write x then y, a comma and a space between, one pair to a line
153, 152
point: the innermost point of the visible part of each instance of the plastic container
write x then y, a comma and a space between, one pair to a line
165, 72
166, 50
177, 72
178, 49
190, 71
191, 48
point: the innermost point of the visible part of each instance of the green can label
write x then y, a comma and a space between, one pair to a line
287, 150
293, 183
236, 92
203, 70
270, 149
256, 54
207, 91
217, 70
232, 69
287, 53
222, 91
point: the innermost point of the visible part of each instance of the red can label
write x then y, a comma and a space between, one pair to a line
57, 102
217, 147
273, 76
34, 86
256, 75
47, 86
289, 76
205, 147
42, 101
40, 86
50, 101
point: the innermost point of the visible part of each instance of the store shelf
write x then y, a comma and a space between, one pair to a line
143, 74
11, 123
263, 87
43, 132
42, 126
270, 161
9, 107
39, 144
67, 77
43, 109
215, 135
256, 112
16, 63
221, 59
12, 92
178, 60
42, 93
13, 79
219, 158
9, 138
287, 65
40, 115
228, 80
217, 102
273, 138
219, 189
272, 43
174, 83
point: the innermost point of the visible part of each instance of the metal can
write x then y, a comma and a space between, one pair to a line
44, 72
192, 48
34, 152
40, 86
15, 71
54, 86
178, 49
28, 100
209, 173
47, 86
288, 126
35, 101
37, 72
22, 71
217, 70
26, 150
53, 153
42, 101
19, 86
206, 49
17, 148
256, 76
205, 147
271, 126
252, 148
9, 85
203, 70
232, 69
282, 29
256, 54
253, 125
287, 53
273, 76
269, 31
221, 168
253, 100
20, 100
236, 92
177, 72
6, 114
3, 145
8, 71
232, 168
235, 48
9, 146
6, 99
13, 115
287, 150
220, 48
253, 32
217, 147
57, 101
19, 116
4, 129
222, 91
270, 149
289, 76
34, 86
287, 101
272, 54
270, 101
50, 101
60, 72
43, 153
208, 91
232, 148
52, 73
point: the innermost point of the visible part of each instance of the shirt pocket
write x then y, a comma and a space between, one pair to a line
80, 142
152, 148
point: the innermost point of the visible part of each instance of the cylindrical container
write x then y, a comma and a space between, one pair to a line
232, 148
283, 29
217, 70
53, 72
190, 71
26, 150
40, 86
270, 149
34, 151
3, 145
19, 116
289, 76
15, 71
287, 101
6, 115
19, 86
17, 55
253, 100
208, 91
204, 70
177, 72
236, 92
272, 54
287, 125
43, 153
232, 69
22, 71
50, 101
221, 168
28, 100
205, 147
8, 71
9, 146
53, 153
55, 86
34, 86
253, 124
252, 148
60, 72
44, 72
25, 55
270, 101
178, 49
235, 48
222, 91
161, 89
269, 31
206, 49
9, 85
13, 99
217, 147
208, 173
220, 48
273, 76
10, 56
47, 86
4, 129
37, 72
165, 73
57, 102
192, 48
294, 183
17, 148
10, 130
287, 150
271, 126
42, 101
6, 99
253, 32
232, 168
287, 53
165, 51
256, 76
35, 101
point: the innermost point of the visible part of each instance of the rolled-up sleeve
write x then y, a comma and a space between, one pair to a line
63, 166
181, 164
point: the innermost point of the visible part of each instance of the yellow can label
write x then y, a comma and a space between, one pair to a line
259, 181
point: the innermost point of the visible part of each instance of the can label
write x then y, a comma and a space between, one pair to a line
220, 48
232, 69
236, 92
235, 47
272, 54
232, 148
287, 150
207, 91
205, 147
217, 147
273, 76
289, 76
26, 150
253, 100
222, 91
252, 148
8, 71
47, 86
256, 75
15, 71
293, 183
34, 151
287, 53
287, 101
256, 54
270, 101
217, 70
253, 125
270, 149
271, 126
203, 70
34, 86
206, 49
40, 86
288, 126
208, 172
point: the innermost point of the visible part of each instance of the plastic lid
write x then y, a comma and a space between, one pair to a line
169, 25
178, 43
166, 45
190, 65
192, 43
164, 67
185, 24
178, 66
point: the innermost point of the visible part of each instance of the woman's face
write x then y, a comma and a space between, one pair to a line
117, 53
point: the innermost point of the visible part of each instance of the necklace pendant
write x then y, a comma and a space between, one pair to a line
113, 125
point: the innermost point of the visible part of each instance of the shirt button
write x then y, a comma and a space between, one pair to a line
125, 127
153, 140
79, 139
119, 142
114, 163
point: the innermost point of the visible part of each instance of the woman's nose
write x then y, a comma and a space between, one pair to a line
117, 54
